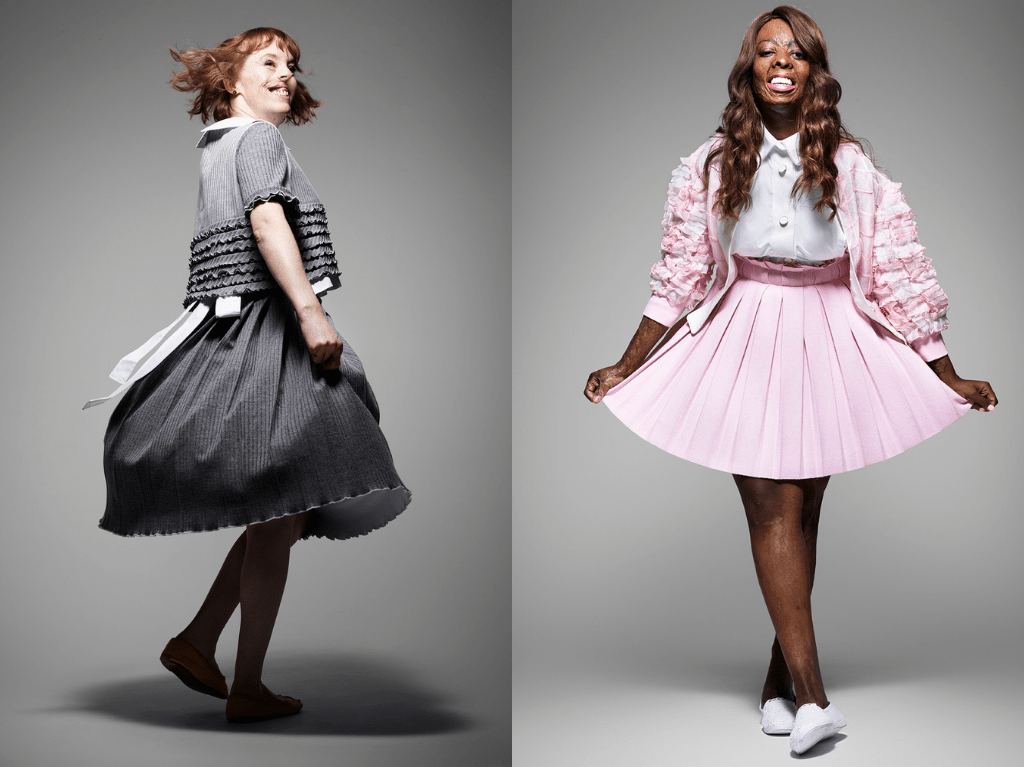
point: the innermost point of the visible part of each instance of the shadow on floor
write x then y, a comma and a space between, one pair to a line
744, 676
343, 695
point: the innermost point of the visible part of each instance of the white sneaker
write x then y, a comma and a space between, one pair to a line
777, 716
814, 724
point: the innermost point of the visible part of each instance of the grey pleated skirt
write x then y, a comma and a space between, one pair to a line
238, 426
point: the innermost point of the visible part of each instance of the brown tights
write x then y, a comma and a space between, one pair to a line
253, 575
783, 519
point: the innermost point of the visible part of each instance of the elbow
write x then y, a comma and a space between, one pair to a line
260, 233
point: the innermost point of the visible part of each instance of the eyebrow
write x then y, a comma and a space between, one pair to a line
771, 40
270, 55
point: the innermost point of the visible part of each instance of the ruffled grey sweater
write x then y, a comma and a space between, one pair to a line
246, 162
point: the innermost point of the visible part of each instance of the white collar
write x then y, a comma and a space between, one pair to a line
788, 146
228, 124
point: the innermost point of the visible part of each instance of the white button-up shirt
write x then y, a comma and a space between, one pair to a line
777, 225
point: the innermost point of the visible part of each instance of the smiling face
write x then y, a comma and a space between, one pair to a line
781, 69
265, 86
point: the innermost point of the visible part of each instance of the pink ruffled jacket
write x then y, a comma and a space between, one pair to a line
891, 280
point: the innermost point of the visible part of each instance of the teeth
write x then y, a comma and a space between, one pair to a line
781, 81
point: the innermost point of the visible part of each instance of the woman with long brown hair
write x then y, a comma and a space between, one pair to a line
810, 340
250, 410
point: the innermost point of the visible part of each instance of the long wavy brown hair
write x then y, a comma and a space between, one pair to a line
213, 72
821, 129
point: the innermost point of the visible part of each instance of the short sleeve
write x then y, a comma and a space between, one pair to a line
261, 163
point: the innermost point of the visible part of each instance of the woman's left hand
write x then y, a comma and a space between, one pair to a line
277, 244
324, 344
978, 393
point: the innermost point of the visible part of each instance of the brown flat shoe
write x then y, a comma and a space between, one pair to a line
184, 661
246, 708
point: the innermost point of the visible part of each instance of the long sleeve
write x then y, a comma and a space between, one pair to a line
681, 277
905, 284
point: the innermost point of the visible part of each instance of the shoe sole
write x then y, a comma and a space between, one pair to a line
814, 736
188, 680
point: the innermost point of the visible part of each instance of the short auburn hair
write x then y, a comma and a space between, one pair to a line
213, 73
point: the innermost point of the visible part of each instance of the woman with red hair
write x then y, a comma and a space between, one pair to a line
251, 411
811, 337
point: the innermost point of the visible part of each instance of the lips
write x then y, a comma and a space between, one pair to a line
781, 84
280, 90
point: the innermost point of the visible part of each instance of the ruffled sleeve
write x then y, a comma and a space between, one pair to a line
681, 278
261, 163
905, 284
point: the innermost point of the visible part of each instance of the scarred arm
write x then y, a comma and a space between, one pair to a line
679, 280
978, 393
644, 339
908, 293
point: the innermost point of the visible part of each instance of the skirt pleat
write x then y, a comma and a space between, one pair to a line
238, 426
786, 380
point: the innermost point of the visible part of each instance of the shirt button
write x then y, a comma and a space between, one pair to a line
783, 221
782, 171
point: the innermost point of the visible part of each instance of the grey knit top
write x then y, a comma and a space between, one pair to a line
245, 162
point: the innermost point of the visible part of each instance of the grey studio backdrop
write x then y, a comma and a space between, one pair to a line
495, 190
641, 636
397, 642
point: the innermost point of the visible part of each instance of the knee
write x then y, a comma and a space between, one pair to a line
768, 503
763, 513
761, 503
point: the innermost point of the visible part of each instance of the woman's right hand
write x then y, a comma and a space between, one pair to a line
322, 340
603, 380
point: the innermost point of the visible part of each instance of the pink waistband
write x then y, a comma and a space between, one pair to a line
793, 275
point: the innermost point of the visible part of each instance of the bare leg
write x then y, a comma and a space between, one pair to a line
205, 629
261, 586
775, 515
778, 682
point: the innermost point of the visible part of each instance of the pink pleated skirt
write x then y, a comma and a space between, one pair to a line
786, 380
